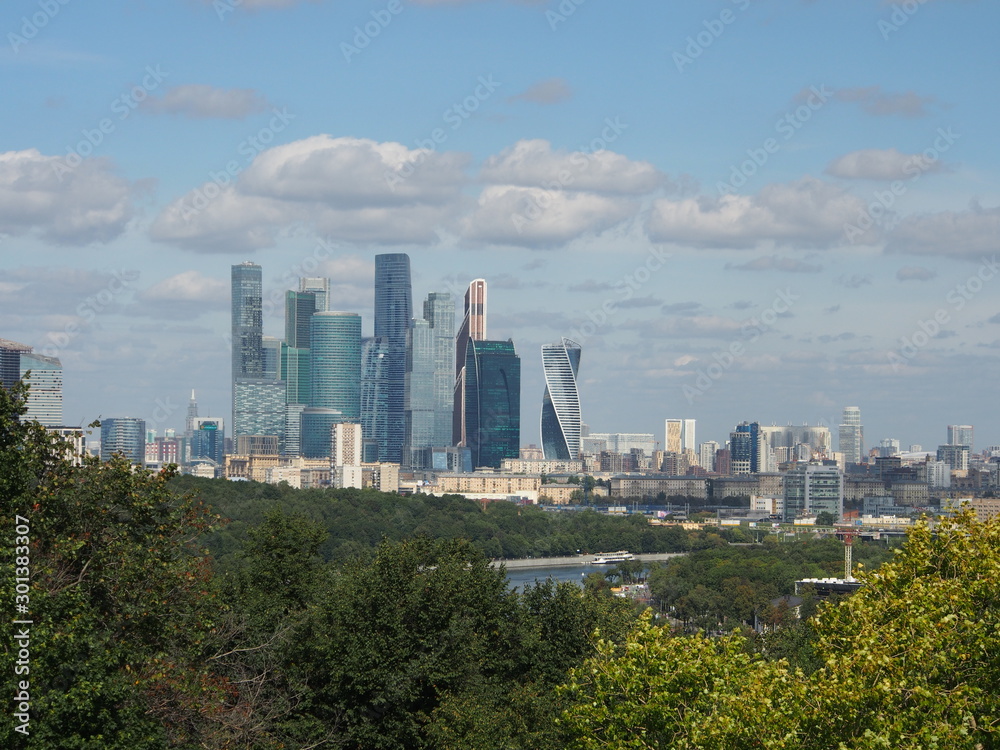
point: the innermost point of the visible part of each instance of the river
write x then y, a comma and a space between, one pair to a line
574, 569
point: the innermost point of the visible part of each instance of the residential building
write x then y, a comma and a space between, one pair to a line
961, 434
706, 455
955, 455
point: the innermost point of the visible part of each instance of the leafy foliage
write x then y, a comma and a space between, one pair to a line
907, 662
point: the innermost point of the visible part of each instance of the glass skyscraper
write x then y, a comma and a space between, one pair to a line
428, 385
561, 417
208, 439
45, 402
259, 406
335, 382
45, 389
473, 328
125, 435
492, 402
393, 313
374, 395
247, 344
852, 436
248, 321
299, 307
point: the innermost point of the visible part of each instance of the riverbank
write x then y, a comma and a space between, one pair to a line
561, 562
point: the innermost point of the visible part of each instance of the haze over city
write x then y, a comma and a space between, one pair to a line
741, 210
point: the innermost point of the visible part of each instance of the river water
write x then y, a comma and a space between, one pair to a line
519, 577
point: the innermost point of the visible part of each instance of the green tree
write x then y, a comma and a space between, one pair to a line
825, 518
119, 598
909, 661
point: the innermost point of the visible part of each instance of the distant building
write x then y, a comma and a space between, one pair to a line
429, 380
335, 379
938, 474
852, 436
961, 434
956, 456
124, 435
208, 440
747, 447
473, 328
318, 287
374, 395
45, 397
45, 388
811, 489
619, 442
706, 455
247, 339
492, 402
393, 313
561, 419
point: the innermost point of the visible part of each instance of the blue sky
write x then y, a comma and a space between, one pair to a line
743, 209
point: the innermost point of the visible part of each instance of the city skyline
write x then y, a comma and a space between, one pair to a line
730, 236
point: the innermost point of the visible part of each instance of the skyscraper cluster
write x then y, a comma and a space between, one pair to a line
414, 387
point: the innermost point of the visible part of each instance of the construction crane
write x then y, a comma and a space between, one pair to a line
848, 547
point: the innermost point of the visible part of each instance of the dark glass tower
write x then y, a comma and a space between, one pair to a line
247, 345
393, 312
492, 402
473, 328
745, 445
299, 307
373, 395
248, 321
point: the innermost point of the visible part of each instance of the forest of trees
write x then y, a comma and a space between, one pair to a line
140, 636
357, 520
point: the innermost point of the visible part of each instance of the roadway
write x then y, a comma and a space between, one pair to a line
560, 562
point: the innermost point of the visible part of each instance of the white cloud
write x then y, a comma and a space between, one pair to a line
347, 189
808, 212
204, 101
66, 206
881, 164
534, 163
971, 234
187, 286
531, 217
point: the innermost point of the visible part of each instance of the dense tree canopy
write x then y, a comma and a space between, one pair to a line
910, 661
357, 520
